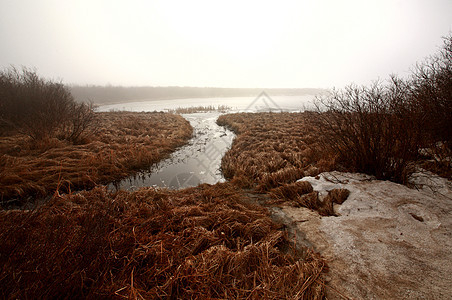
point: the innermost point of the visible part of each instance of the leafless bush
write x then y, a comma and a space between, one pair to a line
372, 129
80, 121
40, 108
432, 83
379, 129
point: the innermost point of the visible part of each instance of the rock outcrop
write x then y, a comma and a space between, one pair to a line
387, 241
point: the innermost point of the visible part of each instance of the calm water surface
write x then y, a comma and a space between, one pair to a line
197, 162
200, 160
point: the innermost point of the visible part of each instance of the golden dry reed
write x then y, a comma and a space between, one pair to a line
124, 143
207, 242
272, 149
198, 109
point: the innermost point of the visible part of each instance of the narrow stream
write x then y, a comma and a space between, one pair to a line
197, 162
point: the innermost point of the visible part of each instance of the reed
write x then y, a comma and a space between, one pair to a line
197, 109
272, 151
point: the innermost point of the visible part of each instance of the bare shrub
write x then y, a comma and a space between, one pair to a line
379, 129
81, 121
372, 129
432, 83
40, 108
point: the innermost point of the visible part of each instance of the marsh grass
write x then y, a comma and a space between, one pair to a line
271, 149
197, 109
203, 242
124, 143
291, 191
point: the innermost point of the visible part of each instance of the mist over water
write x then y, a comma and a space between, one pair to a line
237, 104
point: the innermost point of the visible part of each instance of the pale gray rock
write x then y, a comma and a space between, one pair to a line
387, 242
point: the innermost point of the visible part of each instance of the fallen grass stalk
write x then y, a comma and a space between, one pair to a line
301, 194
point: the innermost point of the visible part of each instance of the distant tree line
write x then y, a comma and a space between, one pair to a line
114, 94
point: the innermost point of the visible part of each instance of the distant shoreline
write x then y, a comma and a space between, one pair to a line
106, 95
171, 99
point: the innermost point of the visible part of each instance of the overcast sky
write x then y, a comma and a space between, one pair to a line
316, 43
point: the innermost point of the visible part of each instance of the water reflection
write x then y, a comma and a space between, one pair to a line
197, 162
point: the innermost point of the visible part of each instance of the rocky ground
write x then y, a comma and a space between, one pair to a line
387, 241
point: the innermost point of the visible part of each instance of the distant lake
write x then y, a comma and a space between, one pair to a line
241, 104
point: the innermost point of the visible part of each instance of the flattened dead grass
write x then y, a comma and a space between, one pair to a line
301, 194
124, 143
203, 242
272, 149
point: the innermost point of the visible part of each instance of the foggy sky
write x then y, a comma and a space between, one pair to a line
221, 43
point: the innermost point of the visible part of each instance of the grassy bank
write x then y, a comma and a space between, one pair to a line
271, 149
122, 144
203, 242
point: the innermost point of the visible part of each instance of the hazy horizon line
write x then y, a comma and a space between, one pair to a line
189, 86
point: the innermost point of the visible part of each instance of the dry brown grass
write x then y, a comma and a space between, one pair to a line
197, 109
301, 194
291, 191
124, 143
438, 159
203, 242
338, 195
272, 149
